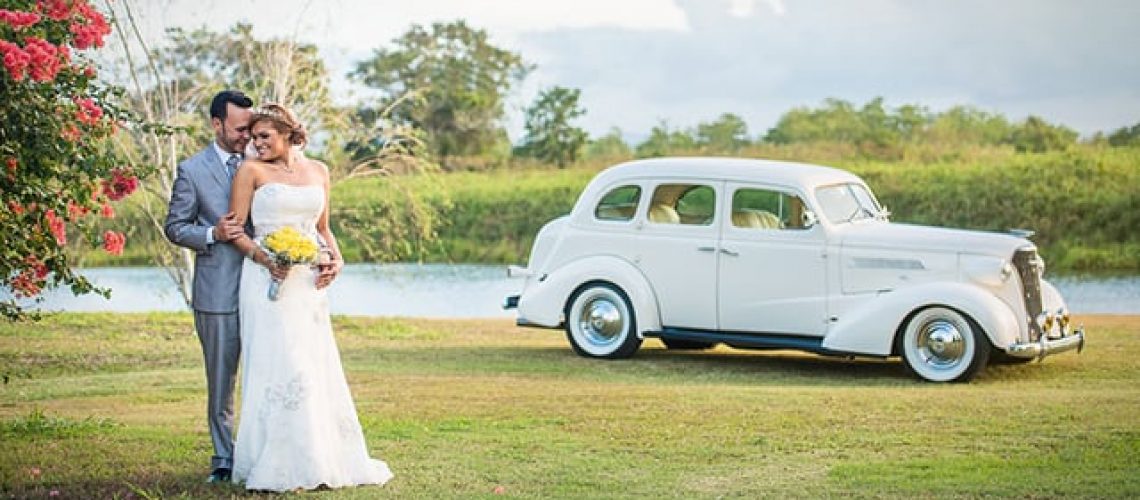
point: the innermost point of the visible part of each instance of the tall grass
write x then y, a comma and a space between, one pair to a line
1083, 203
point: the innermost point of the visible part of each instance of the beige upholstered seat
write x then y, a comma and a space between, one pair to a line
663, 214
741, 218
756, 219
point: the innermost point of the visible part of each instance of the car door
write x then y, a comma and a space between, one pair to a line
677, 239
772, 268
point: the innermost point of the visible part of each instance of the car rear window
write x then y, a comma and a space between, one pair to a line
619, 204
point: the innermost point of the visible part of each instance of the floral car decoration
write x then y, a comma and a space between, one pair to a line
779, 255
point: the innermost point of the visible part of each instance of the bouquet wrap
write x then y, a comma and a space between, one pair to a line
288, 247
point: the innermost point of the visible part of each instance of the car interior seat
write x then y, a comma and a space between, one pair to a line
756, 219
663, 214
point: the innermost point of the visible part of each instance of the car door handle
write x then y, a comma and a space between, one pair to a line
706, 249
729, 252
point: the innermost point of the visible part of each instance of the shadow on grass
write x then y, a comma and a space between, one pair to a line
720, 365
649, 365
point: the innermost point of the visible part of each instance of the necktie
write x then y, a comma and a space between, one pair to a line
231, 165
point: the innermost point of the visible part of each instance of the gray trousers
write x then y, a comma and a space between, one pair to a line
220, 336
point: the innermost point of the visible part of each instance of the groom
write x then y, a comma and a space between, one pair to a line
199, 219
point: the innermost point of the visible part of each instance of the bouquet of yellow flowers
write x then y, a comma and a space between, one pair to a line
288, 247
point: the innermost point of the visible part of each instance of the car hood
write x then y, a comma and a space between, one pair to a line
879, 234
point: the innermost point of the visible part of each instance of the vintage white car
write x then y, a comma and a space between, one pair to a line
776, 255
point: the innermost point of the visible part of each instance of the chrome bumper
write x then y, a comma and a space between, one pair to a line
1046, 346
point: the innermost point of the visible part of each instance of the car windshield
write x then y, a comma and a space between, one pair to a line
847, 202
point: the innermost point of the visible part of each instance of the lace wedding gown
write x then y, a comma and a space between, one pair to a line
298, 426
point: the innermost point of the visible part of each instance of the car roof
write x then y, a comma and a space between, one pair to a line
739, 169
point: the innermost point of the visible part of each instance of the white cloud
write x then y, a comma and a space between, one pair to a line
741, 8
689, 60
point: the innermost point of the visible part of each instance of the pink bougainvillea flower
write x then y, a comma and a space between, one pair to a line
88, 112
120, 185
29, 283
45, 59
71, 133
93, 28
107, 211
114, 242
56, 226
16, 60
56, 9
18, 20
76, 211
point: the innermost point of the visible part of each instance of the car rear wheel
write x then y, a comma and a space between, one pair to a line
943, 345
600, 322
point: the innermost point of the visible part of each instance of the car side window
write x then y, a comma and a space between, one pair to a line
755, 208
619, 204
688, 204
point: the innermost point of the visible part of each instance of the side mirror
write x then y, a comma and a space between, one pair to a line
810, 220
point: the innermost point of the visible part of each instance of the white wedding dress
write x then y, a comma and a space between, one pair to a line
298, 426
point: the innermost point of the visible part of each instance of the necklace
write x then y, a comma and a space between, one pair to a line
284, 167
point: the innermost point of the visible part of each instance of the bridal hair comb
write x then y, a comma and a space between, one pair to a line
284, 119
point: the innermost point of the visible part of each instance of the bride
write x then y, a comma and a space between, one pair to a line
298, 426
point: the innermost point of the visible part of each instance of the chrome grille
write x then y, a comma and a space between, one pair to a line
1029, 266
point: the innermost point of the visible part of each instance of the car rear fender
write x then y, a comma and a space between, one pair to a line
544, 299
871, 327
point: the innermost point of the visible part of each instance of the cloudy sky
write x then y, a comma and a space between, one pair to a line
640, 62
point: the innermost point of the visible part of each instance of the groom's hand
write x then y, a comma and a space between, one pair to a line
228, 228
329, 268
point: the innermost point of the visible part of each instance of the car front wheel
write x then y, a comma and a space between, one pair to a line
943, 345
600, 322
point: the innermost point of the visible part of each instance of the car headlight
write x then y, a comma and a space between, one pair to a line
1006, 272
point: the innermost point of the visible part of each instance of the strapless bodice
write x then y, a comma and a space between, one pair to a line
277, 205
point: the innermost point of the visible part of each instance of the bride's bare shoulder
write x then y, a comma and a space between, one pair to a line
318, 166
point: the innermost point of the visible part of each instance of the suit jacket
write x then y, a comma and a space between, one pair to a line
201, 196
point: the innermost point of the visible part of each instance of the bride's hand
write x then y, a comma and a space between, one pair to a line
279, 273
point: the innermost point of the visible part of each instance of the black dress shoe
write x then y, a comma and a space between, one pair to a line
220, 475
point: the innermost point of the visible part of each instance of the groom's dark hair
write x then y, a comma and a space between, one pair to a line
235, 97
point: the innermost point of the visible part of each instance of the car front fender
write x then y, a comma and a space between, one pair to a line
544, 299
871, 327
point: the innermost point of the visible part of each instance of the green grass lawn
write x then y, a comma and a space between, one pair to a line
102, 406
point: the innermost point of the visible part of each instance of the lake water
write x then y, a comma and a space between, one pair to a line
459, 291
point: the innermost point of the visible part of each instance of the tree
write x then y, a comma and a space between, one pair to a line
662, 141
961, 125
726, 134
1035, 135
462, 80
1125, 136
609, 147
59, 172
549, 134
172, 86
276, 70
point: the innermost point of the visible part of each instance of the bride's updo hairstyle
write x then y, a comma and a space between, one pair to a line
282, 120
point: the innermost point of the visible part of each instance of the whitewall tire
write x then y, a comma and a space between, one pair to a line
600, 322
943, 345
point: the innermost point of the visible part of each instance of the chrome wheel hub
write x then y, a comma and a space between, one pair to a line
941, 344
601, 321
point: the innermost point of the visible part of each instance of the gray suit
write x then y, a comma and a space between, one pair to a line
201, 196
